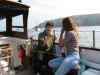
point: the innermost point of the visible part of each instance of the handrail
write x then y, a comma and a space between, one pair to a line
93, 37
88, 30
95, 49
93, 33
80, 47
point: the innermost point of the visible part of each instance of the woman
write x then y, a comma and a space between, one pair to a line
71, 43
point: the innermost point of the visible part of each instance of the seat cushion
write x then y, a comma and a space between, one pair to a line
91, 72
91, 55
90, 64
90, 58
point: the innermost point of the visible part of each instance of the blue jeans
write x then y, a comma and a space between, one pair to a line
65, 64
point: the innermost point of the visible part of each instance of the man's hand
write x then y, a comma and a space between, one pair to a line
45, 41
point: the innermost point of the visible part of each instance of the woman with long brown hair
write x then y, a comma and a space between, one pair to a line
71, 43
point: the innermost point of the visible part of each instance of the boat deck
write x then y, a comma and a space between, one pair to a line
29, 71
25, 72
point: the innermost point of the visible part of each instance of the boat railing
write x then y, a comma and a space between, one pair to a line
93, 36
88, 38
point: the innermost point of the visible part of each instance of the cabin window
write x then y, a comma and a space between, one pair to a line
17, 23
3, 25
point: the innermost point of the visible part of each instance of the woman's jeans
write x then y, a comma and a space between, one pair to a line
65, 64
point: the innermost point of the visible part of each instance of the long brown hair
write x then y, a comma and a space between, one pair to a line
69, 25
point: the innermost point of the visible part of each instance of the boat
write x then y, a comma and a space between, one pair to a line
16, 41
10, 38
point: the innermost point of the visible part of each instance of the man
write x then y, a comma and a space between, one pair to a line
46, 38
45, 44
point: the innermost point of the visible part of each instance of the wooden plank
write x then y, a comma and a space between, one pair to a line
17, 27
19, 34
4, 45
2, 33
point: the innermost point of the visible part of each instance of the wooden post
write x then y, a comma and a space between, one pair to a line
8, 25
25, 18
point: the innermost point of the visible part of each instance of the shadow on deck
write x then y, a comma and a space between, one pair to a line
29, 71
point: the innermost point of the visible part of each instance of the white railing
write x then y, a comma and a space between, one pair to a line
92, 38
88, 38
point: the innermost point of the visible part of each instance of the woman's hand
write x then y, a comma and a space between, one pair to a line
60, 45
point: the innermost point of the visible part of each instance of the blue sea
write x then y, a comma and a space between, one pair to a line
86, 35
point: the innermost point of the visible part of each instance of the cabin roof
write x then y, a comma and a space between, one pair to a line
11, 8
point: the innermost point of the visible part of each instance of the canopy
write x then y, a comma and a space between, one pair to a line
42, 10
11, 8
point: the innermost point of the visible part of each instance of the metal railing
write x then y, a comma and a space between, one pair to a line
88, 38
94, 39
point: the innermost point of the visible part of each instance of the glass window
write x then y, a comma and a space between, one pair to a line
3, 25
17, 23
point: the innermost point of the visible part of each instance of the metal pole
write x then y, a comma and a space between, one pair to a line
54, 48
93, 38
19, 0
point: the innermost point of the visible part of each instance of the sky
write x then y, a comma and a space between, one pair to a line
43, 10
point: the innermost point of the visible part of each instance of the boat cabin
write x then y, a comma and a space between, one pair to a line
9, 10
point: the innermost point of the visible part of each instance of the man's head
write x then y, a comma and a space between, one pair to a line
51, 24
49, 27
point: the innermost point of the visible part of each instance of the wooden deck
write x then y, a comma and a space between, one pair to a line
25, 72
29, 71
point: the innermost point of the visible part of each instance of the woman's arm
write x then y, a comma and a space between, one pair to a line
61, 34
61, 37
55, 37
